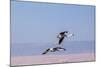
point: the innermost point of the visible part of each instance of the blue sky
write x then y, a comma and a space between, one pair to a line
33, 22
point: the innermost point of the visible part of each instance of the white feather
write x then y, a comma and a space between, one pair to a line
70, 35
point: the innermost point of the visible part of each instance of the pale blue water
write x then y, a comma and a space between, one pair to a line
73, 47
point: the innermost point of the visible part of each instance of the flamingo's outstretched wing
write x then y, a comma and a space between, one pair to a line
61, 40
46, 51
61, 48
